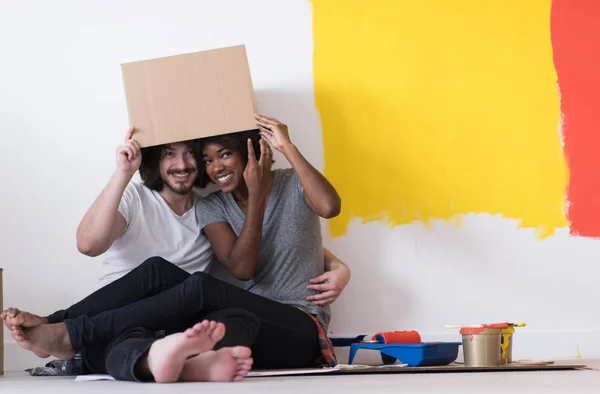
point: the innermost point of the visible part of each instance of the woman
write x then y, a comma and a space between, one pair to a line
264, 227
278, 268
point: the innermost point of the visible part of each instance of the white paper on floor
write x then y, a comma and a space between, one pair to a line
298, 371
87, 378
251, 374
256, 374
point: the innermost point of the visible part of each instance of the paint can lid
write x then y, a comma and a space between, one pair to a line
480, 331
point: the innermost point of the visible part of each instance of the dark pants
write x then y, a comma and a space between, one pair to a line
119, 358
158, 295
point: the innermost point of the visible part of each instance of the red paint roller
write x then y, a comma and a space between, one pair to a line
403, 337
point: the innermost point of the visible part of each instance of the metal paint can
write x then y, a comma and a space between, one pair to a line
482, 347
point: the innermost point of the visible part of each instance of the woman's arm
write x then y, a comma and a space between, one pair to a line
240, 254
319, 194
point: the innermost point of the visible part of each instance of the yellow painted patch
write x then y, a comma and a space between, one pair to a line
434, 108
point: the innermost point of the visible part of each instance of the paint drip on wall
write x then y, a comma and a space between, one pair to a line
434, 109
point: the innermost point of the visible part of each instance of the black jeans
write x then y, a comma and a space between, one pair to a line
158, 295
120, 357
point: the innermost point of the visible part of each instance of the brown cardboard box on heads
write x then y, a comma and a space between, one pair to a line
188, 96
1, 329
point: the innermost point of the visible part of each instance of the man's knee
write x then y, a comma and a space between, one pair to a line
203, 278
155, 261
159, 264
125, 352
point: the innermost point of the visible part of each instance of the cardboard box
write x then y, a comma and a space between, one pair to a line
194, 95
1, 329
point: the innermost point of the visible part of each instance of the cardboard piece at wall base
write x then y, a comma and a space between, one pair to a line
189, 96
1, 329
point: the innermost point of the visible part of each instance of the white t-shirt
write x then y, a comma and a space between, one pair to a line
153, 229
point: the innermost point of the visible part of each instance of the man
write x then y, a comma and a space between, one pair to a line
133, 221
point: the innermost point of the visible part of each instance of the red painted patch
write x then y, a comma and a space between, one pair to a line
575, 26
471, 330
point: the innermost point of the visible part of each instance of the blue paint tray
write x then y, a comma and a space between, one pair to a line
414, 355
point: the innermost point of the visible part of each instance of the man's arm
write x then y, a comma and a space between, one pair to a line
332, 263
332, 282
103, 223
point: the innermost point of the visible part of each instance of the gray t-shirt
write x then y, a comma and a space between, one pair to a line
291, 249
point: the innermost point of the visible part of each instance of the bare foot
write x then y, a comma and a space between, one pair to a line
45, 340
19, 337
224, 365
167, 356
4, 316
15, 317
15, 320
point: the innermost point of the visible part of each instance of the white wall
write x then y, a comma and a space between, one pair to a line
62, 113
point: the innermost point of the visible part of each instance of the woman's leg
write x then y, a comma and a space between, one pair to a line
153, 276
126, 358
242, 327
293, 345
284, 329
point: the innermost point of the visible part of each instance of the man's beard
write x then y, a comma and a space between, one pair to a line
179, 187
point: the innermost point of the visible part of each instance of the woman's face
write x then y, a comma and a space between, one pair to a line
224, 166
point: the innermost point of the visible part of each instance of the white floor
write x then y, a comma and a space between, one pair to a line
572, 382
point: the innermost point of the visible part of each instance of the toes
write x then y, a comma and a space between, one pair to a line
219, 332
241, 352
245, 366
201, 326
18, 336
240, 375
210, 326
17, 333
245, 361
16, 330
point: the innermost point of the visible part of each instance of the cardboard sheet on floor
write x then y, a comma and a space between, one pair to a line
457, 368
401, 368
344, 369
256, 374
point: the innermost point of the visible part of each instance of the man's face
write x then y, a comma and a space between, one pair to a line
178, 168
